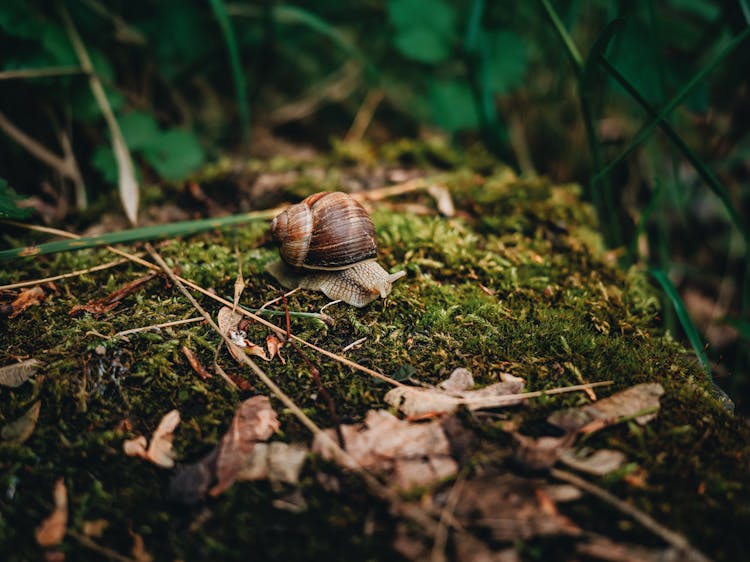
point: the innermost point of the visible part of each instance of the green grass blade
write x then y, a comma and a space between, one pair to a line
682, 313
677, 100
745, 6
240, 85
567, 40
183, 228
706, 174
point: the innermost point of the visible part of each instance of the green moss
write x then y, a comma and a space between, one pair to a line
517, 282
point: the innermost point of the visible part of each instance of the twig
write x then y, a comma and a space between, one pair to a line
648, 522
77, 273
41, 72
364, 116
86, 542
441, 534
353, 344
159, 326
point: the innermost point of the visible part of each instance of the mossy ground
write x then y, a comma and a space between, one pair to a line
516, 283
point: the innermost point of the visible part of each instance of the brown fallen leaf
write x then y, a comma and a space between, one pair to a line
228, 322
539, 453
160, 450
273, 344
511, 508
106, 304
277, 462
624, 404
18, 373
598, 463
413, 454
195, 363
20, 430
95, 528
139, 552
452, 393
255, 420
26, 298
52, 529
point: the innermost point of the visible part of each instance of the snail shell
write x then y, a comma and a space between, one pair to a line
325, 231
327, 243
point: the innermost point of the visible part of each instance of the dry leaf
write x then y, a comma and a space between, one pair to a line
52, 529
26, 298
20, 430
95, 529
195, 363
18, 373
511, 509
629, 402
255, 420
160, 450
277, 461
443, 199
135, 447
542, 452
273, 344
452, 393
598, 463
602, 548
414, 454
110, 302
139, 552
228, 322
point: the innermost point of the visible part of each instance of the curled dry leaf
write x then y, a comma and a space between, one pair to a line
26, 298
598, 463
413, 454
273, 344
624, 404
110, 302
228, 322
20, 430
18, 373
195, 363
454, 392
52, 529
160, 450
254, 421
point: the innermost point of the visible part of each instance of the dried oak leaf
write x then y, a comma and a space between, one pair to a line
26, 298
413, 454
110, 302
20, 430
18, 373
454, 392
626, 403
52, 529
277, 461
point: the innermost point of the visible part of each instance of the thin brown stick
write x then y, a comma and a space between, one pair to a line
86, 542
159, 326
364, 116
41, 72
645, 520
76, 273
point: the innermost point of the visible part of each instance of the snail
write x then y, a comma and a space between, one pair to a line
327, 243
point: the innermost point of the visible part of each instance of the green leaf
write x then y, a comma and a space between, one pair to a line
453, 105
434, 15
423, 45
104, 161
176, 154
507, 62
140, 130
8, 203
707, 10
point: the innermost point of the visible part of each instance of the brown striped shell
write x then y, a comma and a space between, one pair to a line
327, 230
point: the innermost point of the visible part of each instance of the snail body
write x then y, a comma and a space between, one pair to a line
327, 243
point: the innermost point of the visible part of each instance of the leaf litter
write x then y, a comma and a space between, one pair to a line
18, 373
52, 530
18, 431
103, 305
160, 450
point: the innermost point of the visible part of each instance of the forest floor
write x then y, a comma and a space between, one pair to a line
506, 278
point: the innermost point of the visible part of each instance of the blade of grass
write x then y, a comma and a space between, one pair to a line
684, 317
745, 6
127, 184
240, 85
570, 46
646, 132
183, 228
705, 173
41, 72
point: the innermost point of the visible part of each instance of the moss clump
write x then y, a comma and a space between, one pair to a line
517, 282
